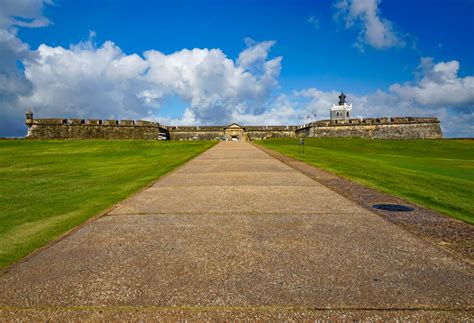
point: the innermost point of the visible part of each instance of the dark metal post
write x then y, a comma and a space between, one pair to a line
301, 145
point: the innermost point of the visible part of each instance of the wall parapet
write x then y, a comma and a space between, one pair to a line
50, 121
371, 121
221, 128
58, 128
381, 128
196, 128
270, 128
94, 122
374, 128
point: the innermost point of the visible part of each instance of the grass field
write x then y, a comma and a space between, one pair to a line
49, 187
438, 174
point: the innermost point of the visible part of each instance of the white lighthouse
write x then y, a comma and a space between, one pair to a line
342, 111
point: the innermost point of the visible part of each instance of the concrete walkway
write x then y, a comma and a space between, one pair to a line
235, 228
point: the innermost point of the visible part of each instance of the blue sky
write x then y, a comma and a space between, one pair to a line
390, 56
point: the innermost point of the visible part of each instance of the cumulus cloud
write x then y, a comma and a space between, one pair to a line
85, 81
23, 13
439, 86
438, 92
89, 81
13, 84
213, 84
375, 30
255, 53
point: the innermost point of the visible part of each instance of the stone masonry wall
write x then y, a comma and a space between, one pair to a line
268, 132
214, 132
92, 129
196, 133
371, 128
375, 128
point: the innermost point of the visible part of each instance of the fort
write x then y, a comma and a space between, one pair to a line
91, 129
340, 124
375, 128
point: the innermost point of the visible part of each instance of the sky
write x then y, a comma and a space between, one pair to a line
255, 62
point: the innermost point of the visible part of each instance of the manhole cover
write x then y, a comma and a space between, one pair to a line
393, 207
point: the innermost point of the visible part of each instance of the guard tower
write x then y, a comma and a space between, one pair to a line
342, 111
29, 121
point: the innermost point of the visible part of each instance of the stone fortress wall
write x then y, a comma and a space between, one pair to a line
268, 132
374, 128
226, 132
370, 128
345, 126
340, 125
196, 133
92, 129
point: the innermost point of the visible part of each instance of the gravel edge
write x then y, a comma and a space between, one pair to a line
449, 234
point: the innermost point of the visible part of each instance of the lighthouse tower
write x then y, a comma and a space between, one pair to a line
342, 111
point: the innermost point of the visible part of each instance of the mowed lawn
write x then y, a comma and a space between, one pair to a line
438, 174
49, 187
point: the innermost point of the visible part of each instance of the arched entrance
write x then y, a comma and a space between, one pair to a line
234, 132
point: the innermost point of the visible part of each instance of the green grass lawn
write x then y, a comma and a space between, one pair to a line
49, 187
438, 174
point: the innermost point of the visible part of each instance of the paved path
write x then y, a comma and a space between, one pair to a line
235, 228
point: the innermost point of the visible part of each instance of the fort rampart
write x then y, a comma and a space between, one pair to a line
196, 133
92, 129
374, 128
371, 128
268, 132
226, 132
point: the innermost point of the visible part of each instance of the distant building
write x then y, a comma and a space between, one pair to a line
342, 111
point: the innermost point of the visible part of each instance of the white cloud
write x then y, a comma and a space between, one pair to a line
255, 52
13, 84
23, 13
281, 110
439, 86
104, 82
376, 31
85, 81
430, 95
439, 92
130, 86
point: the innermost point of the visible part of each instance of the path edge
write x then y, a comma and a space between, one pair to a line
93, 218
467, 257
